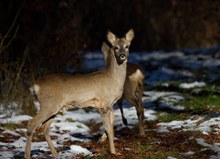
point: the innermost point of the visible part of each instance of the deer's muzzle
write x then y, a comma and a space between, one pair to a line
121, 58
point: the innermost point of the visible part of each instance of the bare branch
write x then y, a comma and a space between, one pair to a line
3, 46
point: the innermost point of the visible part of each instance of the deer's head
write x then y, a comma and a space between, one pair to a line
121, 45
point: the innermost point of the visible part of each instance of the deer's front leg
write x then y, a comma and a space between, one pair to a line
108, 120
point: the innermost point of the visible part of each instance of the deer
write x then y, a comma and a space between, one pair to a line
133, 86
100, 90
132, 92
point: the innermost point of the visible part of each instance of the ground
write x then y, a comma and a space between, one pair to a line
181, 106
192, 137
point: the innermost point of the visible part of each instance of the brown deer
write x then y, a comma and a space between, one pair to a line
133, 91
99, 90
134, 84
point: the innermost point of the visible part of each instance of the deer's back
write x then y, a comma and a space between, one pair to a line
93, 90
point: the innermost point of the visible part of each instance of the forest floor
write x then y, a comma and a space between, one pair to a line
181, 106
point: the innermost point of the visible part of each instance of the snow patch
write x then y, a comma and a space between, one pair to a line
212, 125
215, 148
74, 127
192, 85
11, 133
15, 119
188, 124
79, 150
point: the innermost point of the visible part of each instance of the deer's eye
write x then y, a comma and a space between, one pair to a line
126, 46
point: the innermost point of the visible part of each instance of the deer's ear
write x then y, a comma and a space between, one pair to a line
105, 48
129, 35
111, 38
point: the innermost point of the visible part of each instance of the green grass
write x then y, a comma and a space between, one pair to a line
70, 120
201, 103
13, 126
168, 117
10, 126
198, 100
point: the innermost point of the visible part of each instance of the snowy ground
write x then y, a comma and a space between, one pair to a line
69, 127
73, 127
191, 68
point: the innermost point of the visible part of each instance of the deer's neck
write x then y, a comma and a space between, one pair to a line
116, 71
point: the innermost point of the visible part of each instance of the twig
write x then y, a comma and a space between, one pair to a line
22, 65
3, 47
3, 38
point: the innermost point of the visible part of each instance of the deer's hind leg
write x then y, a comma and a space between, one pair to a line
140, 114
137, 102
42, 116
46, 129
122, 112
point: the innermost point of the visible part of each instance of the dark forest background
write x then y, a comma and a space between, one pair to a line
57, 32
40, 36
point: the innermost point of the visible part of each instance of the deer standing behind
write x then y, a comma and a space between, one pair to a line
133, 86
133, 91
99, 90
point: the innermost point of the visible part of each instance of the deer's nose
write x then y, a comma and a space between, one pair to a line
122, 56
